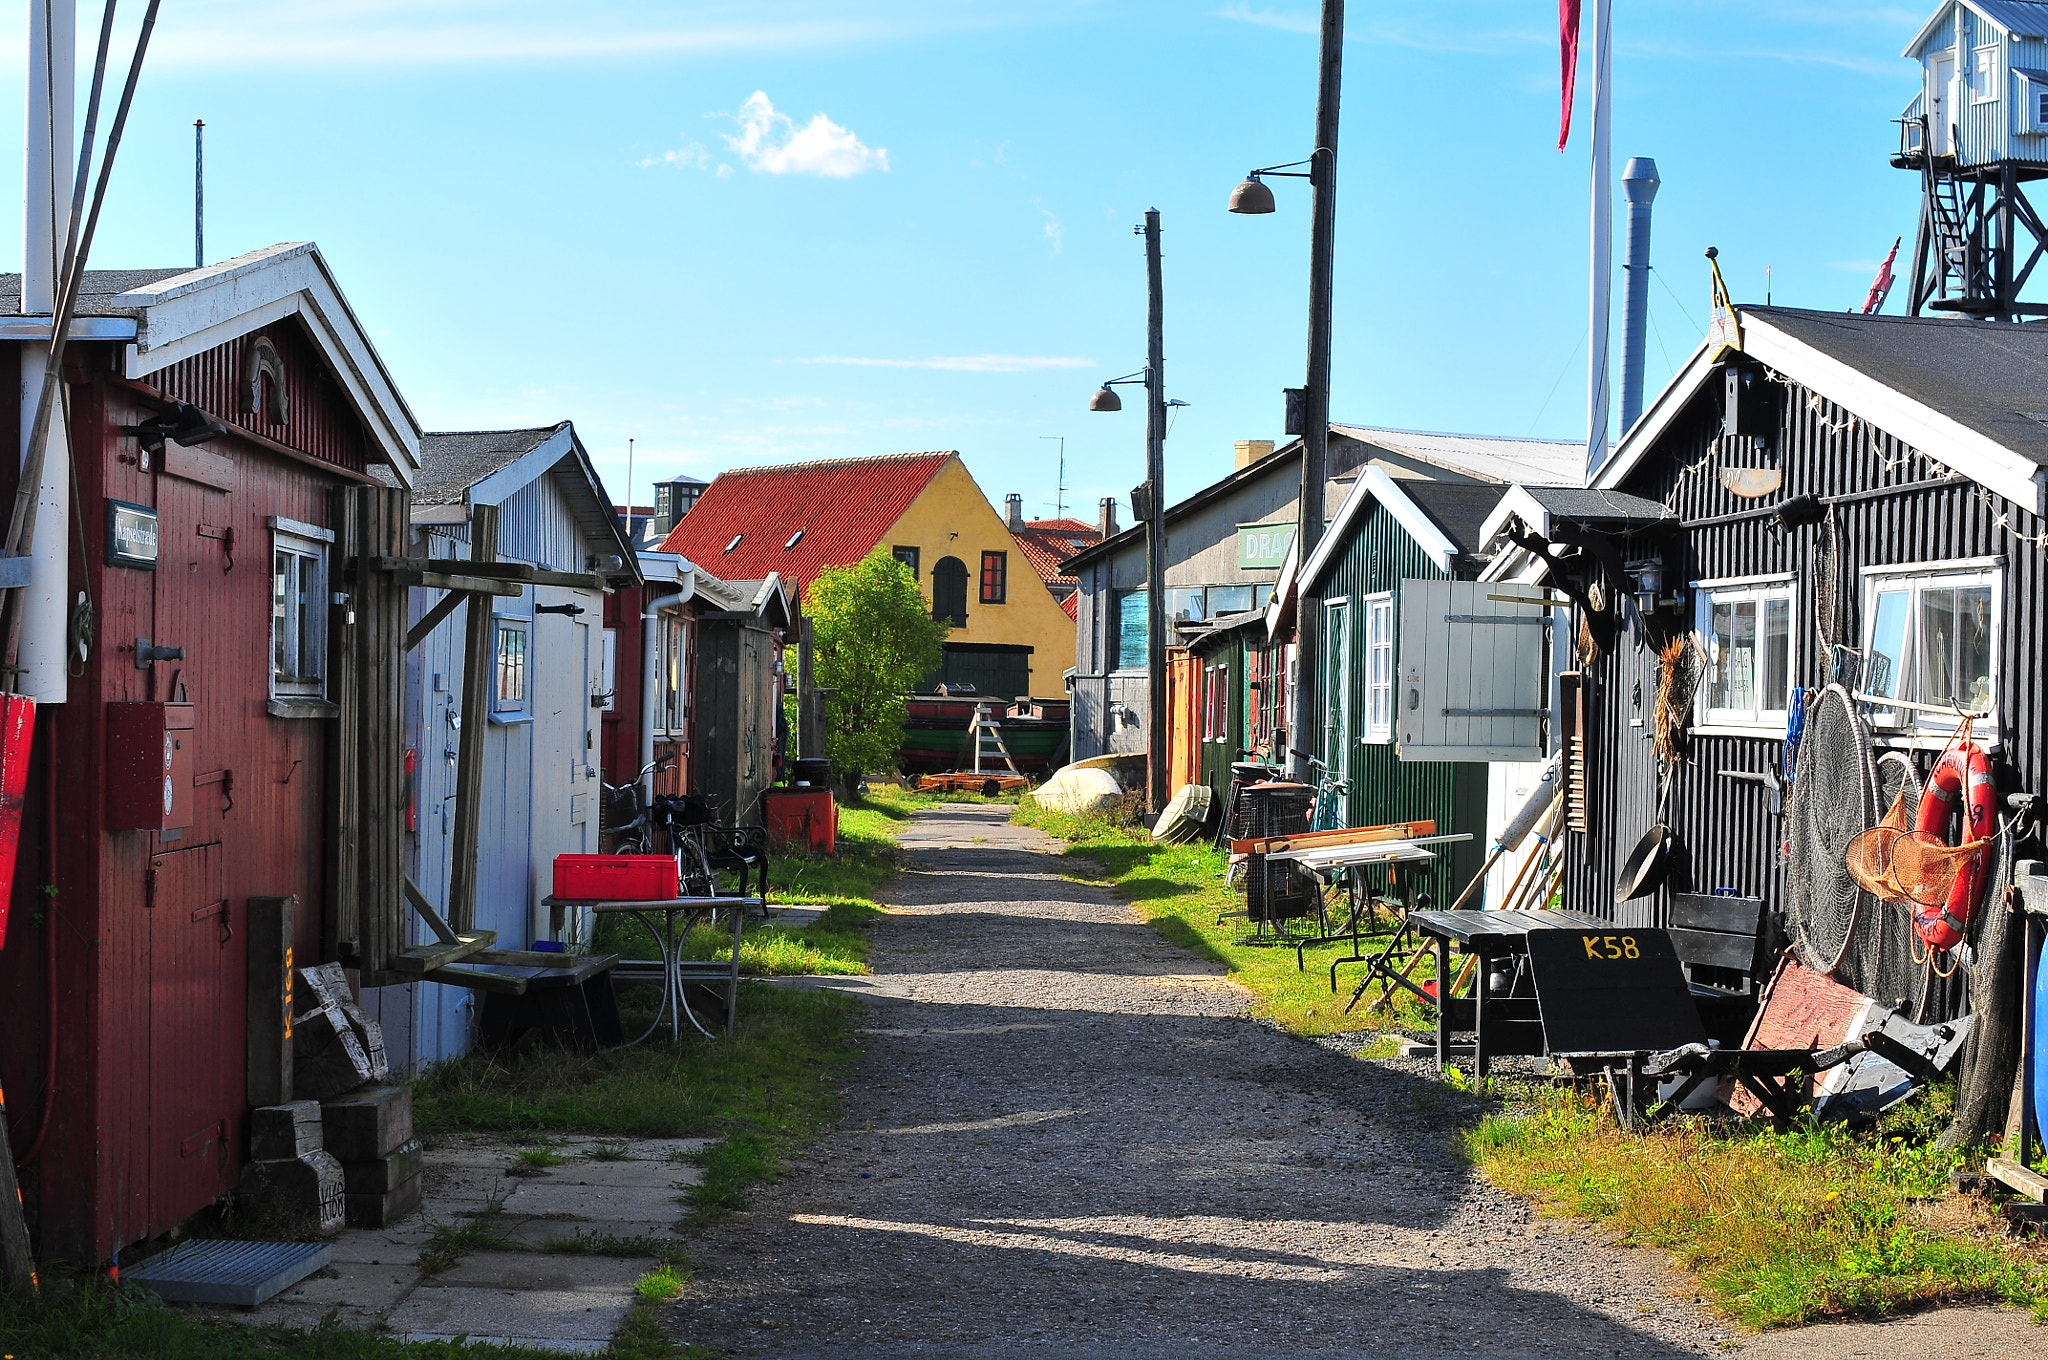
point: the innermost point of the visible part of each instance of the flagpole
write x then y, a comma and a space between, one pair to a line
1598, 397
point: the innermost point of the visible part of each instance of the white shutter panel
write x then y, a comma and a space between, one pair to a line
1474, 671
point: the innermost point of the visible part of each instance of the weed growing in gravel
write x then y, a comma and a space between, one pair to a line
609, 1152
663, 1282
540, 1158
581, 1243
1780, 1228
1180, 889
448, 1243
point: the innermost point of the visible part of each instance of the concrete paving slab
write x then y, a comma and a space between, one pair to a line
528, 1316
619, 1204
399, 1244
624, 1175
522, 1270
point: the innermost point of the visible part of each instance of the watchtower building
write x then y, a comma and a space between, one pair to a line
1977, 132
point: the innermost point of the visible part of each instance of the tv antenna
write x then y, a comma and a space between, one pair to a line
1059, 504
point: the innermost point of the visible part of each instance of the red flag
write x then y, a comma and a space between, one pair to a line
1881, 286
1568, 55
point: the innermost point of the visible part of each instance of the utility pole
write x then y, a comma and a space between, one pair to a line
1155, 511
1315, 432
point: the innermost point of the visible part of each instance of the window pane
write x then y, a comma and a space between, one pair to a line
1973, 647
1734, 656
1887, 644
511, 666
1185, 605
1937, 646
1130, 630
1777, 659
1229, 599
282, 588
308, 626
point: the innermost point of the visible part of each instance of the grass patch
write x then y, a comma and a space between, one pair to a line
1780, 1229
663, 1282
580, 1243
731, 1167
448, 1243
539, 1158
1180, 889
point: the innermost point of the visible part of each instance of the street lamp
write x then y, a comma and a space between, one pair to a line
1255, 198
1153, 378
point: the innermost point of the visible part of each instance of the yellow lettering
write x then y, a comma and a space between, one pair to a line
1628, 946
1613, 949
1589, 941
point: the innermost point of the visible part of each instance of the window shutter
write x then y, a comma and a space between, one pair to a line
1571, 704
1474, 671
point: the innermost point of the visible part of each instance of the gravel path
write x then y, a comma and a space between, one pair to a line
1067, 1140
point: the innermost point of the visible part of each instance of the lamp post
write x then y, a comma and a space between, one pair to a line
1254, 197
1153, 511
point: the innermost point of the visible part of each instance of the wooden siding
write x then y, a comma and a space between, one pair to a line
1383, 787
320, 421
147, 1125
1729, 838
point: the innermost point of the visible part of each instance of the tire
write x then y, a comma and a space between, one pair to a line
990, 788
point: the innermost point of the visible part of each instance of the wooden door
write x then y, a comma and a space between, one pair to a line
197, 1031
1941, 105
1337, 725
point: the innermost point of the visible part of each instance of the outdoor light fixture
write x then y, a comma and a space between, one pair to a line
181, 423
1107, 400
1256, 196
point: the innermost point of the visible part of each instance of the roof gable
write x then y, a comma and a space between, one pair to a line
2014, 18
800, 518
1377, 488
463, 469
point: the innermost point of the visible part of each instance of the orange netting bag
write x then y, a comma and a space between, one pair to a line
1870, 857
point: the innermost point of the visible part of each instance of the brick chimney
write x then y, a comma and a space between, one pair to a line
1013, 511
1106, 517
1250, 451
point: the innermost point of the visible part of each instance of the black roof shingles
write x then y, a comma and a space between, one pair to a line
452, 462
100, 288
1979, 374
1458, 508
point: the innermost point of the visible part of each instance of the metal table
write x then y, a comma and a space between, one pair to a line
1484, 936
676, 971
1327, 862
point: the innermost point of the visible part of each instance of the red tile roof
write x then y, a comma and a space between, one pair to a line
841, 507
1048, 542
1072, 604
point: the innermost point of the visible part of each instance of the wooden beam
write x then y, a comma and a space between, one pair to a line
1357, 835
431, 620
2028, 1182
479, 979
442, 580
427, 913
569, 580
425, 958
469, 759
492, 570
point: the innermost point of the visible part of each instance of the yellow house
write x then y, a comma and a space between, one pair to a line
1009, 635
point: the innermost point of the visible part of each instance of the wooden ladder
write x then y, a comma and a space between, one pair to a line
987, 736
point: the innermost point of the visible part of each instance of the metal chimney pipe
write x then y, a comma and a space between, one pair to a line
1639, 182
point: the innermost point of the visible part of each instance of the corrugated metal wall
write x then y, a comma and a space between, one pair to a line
1384, 788
1730, 839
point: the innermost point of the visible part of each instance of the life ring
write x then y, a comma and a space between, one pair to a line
1962, 774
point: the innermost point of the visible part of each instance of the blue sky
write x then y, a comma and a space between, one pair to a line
772, 231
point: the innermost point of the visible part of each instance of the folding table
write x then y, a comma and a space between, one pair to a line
1507, 1024
676, 971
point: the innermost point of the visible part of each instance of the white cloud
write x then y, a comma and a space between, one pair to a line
1054, 232
964, 363
688, 156
1287, 21
773, 144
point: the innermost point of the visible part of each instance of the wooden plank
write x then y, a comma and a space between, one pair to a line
469, 758
488, 570
441, 580
1729, 915
1357, 835
424, 958
478, 979
267, 927
431, 620
570, 580
340, 928
17, 1257
1715, 949
420, 904
2011, 1174
584, 965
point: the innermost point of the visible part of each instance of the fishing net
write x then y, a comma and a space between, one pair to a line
1833, 802
1827, 583
1991, 1052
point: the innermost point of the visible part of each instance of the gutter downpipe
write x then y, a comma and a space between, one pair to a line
648, 621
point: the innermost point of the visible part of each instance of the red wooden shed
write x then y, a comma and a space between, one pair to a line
221, 615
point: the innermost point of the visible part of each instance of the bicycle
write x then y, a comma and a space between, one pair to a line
626, 815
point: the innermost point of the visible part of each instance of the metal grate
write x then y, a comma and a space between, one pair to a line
239, 1273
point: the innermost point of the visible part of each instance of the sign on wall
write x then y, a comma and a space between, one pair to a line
1261, 546
131, 535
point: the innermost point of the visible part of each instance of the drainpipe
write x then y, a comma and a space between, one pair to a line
648, 622
1639, 182
48, 165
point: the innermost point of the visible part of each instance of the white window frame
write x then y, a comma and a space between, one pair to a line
1984, 72
303, 631
1760, 591
1913, 725
672, 676
1338, 727
1379, 668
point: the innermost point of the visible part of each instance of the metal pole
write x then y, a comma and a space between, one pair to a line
1639, 182
1315, 423
1155, 518
1598, 393
199, 193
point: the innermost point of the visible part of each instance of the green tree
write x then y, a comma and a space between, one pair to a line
874, 638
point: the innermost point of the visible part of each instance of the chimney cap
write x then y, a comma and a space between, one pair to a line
1639, 180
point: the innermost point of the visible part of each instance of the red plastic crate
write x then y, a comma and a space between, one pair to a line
616, 878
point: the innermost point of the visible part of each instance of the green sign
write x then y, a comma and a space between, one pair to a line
1263, 545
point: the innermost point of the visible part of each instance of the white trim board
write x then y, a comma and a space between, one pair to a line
1377, 487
